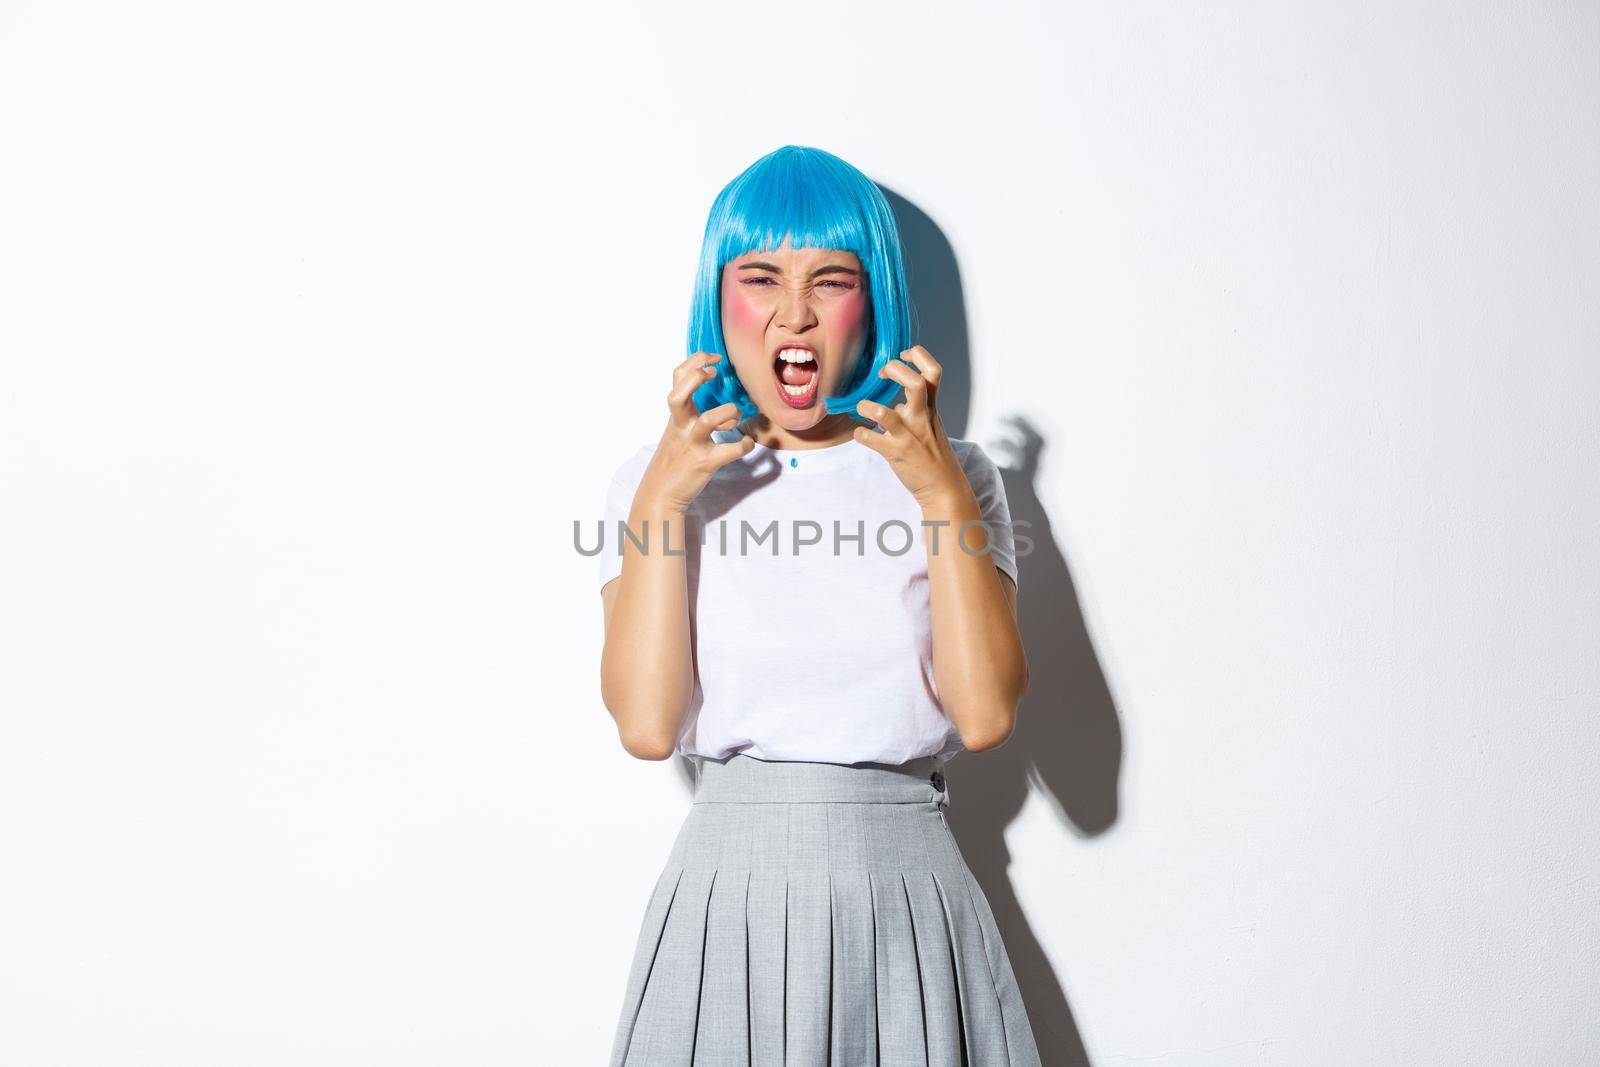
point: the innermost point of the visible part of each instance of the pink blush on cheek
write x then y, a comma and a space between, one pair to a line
844, 316
744, 313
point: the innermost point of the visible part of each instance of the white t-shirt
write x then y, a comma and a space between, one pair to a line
803, 652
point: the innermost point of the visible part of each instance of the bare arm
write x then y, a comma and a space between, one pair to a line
978, 660
646, 670
647, 666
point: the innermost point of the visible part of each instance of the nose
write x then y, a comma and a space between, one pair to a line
795, 312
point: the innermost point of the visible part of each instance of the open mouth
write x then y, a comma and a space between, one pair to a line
796, 370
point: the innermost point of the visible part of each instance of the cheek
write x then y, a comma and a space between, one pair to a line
848, 314
742, 314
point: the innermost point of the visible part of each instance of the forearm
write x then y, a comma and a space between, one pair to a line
979, 664
646, 667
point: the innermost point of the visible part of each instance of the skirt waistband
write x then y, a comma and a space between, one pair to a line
742, 779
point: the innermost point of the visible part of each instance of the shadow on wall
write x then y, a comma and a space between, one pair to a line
1068, 741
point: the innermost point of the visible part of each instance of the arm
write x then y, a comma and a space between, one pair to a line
646, 667
979, 664
647, 663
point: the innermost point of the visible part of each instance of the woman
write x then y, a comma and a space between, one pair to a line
819, 615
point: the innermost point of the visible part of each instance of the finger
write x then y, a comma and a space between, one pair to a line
871, 438
923, 360
718, 418
694, 367
916, 388
688, 376
928, 367
727, 452
888, 418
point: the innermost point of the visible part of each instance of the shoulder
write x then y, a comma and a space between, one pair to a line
972, 456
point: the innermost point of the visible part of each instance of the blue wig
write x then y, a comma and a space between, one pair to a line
816, 200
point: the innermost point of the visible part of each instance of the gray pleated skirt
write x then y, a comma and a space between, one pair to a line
820, 914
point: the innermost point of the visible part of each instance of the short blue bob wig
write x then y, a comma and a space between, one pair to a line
816, 200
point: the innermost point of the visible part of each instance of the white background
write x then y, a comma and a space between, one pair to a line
321, 323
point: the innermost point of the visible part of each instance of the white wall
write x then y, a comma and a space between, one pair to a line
321, 322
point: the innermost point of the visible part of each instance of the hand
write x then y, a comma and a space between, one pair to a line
686, 457
913, 438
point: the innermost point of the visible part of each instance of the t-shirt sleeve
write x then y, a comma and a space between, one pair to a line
618, 502
990, 489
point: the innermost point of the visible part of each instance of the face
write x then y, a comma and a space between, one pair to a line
795, 322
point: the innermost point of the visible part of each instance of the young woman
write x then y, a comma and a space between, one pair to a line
819, 613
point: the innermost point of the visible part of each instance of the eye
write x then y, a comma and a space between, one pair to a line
758, 281
843, 286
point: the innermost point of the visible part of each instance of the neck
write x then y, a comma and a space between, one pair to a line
832, 430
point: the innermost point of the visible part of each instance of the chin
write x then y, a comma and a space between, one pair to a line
794, 419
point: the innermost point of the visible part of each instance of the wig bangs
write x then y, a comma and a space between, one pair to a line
811, 199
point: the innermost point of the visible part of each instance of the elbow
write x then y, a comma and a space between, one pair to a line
994, 726
985, 741
996, 731
647, 735
645, 729
647, 746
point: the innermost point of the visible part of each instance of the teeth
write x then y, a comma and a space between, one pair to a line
804, 357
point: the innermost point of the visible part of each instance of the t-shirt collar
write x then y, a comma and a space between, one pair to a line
802, 460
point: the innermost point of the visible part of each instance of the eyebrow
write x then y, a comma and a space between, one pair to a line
832, 268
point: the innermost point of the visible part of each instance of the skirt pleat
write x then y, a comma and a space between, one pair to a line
982, 1025
768, 939
936, 954
670, 1006
644, 957
722, 1036
1019, 1033
819, 915
807, 1007
902, 1029
855, 964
